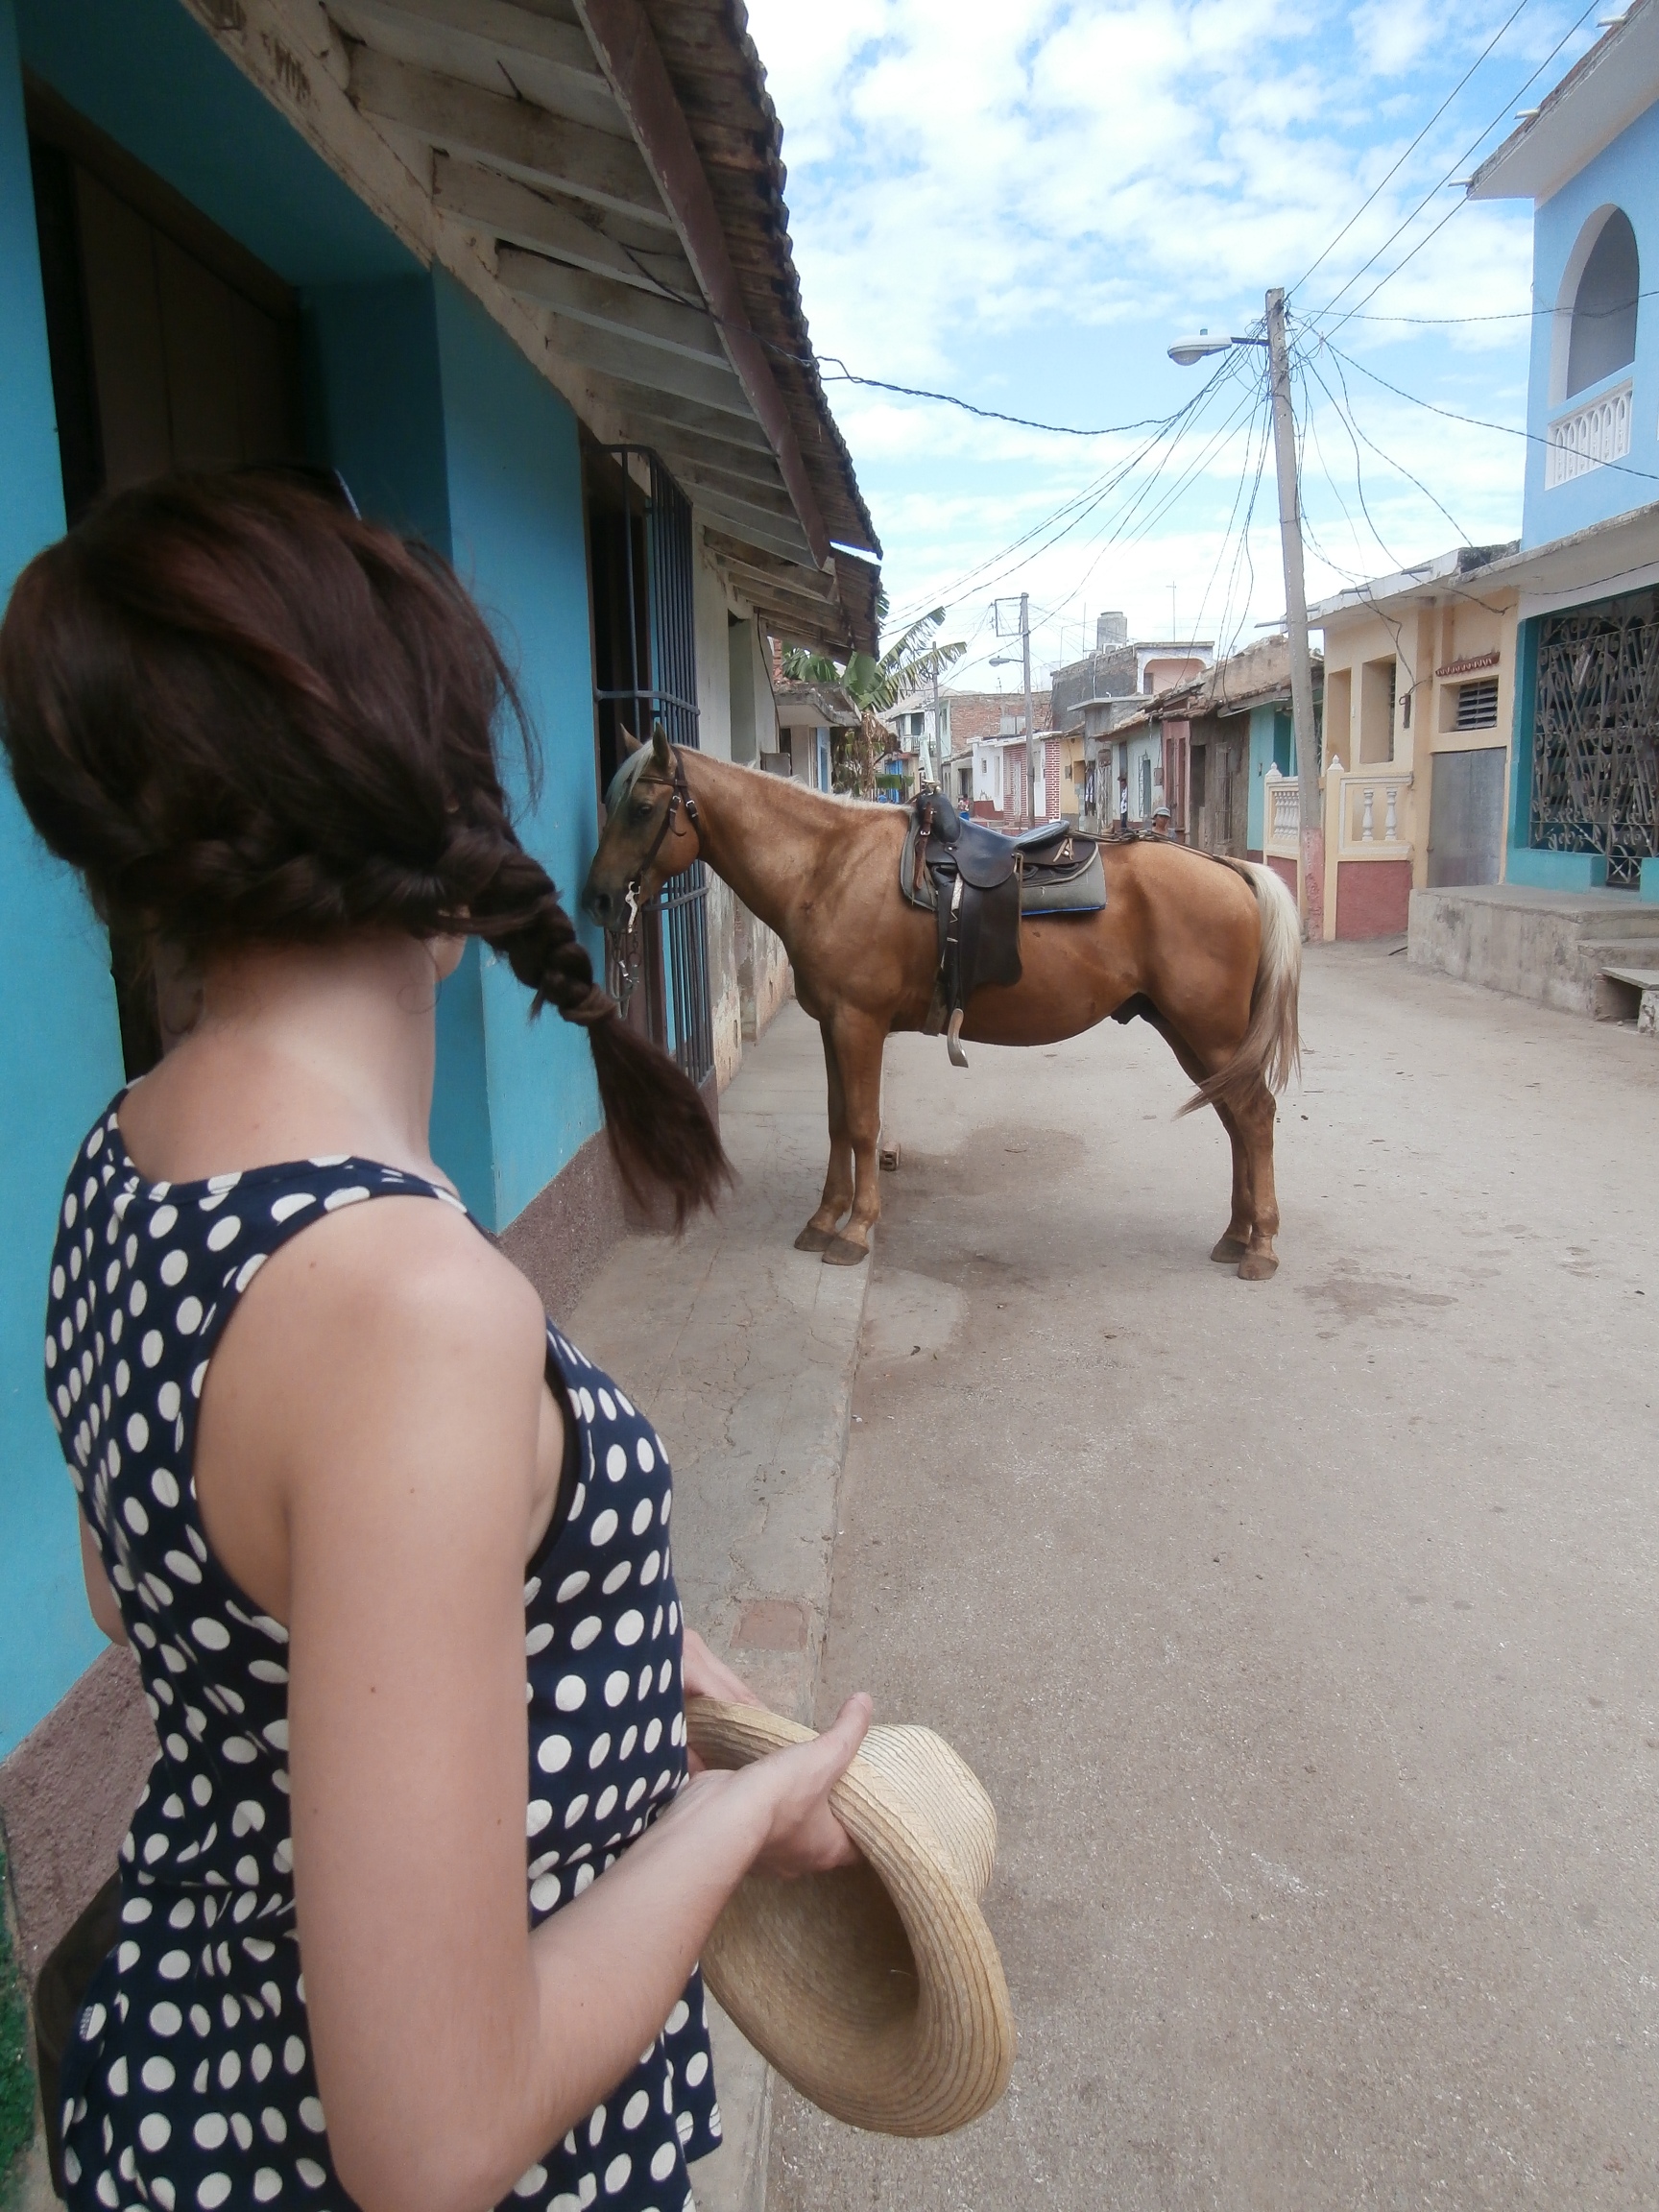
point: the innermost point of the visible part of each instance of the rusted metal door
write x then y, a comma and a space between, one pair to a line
1466, 817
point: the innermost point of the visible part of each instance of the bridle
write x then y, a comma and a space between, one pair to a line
624, 955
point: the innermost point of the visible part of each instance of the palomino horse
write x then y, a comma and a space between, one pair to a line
1209, 952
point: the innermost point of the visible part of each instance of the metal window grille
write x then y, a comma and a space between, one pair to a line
1595, 734
1478, 704
661, 687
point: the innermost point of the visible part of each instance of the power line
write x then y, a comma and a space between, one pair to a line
1475, 421
845, 375
1071, 513
1400, 229
1370, 196
1509, 315
1345, 416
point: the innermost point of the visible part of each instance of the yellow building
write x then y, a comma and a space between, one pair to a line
1415, 752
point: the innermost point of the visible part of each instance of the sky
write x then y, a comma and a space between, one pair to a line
1022, 204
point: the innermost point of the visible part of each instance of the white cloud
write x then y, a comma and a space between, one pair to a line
1023, 202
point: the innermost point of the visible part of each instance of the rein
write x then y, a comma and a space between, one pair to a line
624, 957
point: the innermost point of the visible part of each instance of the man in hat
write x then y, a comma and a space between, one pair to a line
1161, 819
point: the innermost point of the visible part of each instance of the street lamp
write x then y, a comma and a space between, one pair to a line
1184, 352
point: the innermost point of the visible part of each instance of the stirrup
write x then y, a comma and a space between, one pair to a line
953, 1040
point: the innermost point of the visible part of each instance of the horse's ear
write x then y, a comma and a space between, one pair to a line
630, 743
661, 759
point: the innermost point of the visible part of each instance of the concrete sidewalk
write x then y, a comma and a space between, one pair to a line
742, 1352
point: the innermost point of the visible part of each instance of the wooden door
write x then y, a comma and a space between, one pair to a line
171, 348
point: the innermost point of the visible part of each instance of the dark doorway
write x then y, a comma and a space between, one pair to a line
171, 348
1466, 817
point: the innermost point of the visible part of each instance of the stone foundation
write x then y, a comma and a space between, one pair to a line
1548, 945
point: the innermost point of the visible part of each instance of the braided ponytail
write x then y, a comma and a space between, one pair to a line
246, 716
659, 1130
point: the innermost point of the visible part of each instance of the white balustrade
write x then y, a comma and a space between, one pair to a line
1364, 794
1282, 811
1589, 437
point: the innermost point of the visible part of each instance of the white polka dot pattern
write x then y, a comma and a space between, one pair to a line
190, 2082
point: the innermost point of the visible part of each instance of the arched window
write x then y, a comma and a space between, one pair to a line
1603, 314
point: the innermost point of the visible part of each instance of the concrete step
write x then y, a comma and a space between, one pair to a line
1608, 1000
1551, 949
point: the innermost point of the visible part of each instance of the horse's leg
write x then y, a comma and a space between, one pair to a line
1234, 1241
1232, 1247
858, 1047
837, 1196
1256, 1122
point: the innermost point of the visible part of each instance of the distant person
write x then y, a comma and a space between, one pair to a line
1123, 804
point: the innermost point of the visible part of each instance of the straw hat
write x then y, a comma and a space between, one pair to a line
874, 1989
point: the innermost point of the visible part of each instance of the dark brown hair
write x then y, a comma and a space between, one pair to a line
246, 716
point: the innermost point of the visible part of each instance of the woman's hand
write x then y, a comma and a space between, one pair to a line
803, 1836
705, 1676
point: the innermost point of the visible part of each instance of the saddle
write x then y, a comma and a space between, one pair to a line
978, 882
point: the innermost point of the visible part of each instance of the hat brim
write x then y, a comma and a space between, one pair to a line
876, 1990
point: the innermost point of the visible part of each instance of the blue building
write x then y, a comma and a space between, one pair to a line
529, 287
1584, 777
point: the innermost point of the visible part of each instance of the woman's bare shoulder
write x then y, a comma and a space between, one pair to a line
399, 1279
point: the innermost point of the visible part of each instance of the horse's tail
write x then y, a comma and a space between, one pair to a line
1271, 1052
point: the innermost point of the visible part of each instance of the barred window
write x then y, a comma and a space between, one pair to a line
1478, 704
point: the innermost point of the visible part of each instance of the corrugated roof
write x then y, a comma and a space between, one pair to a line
721, 82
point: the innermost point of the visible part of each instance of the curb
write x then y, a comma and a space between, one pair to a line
743, 1351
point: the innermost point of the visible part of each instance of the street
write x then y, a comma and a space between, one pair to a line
1303, 1633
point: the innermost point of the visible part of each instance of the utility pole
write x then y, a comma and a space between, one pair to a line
1030, 734
1312, 871
938, 730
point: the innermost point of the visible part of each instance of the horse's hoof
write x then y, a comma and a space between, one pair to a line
1230, 1251
1258, 1267
842, 1252
812, 1239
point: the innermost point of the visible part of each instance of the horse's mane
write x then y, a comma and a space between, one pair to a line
626, 776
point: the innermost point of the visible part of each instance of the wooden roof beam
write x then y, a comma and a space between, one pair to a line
627, 359
544, 221
653, 418
512, 135
812, 584
497, 27
583, 297
622, 38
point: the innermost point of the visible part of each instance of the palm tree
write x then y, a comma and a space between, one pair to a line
910, 662
873, 686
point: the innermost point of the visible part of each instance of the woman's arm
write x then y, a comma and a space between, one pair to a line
99, 1594
392, 1397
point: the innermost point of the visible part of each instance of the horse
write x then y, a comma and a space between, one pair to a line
1206, 948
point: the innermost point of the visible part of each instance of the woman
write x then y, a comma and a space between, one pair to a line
355, 1502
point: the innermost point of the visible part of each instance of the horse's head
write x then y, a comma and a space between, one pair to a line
648, 818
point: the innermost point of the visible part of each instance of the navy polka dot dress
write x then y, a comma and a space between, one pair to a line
190, 2082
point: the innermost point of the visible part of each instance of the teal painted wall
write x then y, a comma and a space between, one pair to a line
148, 74
375, 411
439, 425
1271, 746
61, 1060
374, 398
515, 471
